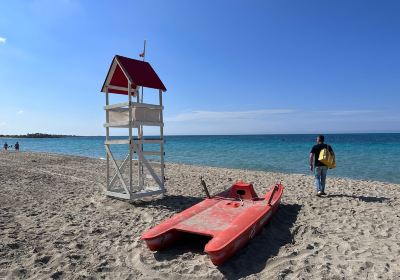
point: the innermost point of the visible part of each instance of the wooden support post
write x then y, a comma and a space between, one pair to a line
107, 138
140, 136
162, 138
139, 170
130, 134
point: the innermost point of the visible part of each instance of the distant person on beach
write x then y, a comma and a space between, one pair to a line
16, 146
5, 146
318, 167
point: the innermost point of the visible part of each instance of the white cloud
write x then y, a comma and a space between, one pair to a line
3, 123
20, 112
199, 122
3, 40
228, 122
346, 112
221, 115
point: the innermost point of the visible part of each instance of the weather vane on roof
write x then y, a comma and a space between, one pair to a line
143, 54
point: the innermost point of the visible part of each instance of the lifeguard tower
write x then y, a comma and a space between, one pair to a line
143, 177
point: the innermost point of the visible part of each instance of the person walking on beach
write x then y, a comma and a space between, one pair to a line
16, 146
318, 167
5, 146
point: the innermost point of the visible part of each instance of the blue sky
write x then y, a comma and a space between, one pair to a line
230, 67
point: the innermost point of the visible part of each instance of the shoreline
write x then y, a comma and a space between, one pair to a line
219, 167
58, 223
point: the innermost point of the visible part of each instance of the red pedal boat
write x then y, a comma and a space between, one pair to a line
230, 218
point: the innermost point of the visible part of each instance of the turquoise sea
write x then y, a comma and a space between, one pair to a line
360, 156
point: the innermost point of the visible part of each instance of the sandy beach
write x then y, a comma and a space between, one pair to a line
56, 223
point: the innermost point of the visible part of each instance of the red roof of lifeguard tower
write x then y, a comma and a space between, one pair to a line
139, 73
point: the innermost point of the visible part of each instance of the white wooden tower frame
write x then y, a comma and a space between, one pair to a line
134, 116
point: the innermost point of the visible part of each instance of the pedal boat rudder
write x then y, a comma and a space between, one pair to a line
231, 218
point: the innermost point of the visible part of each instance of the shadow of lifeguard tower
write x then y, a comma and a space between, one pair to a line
136, 176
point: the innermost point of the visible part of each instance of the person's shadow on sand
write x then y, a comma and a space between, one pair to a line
252, 258
361, 197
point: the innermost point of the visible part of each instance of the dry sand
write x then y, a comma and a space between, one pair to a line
56, 222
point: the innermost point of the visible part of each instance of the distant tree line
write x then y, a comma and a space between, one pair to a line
37, 135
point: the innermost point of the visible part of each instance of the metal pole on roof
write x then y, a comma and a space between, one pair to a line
143, 55
144, 50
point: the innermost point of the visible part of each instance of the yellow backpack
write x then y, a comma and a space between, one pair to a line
328, 158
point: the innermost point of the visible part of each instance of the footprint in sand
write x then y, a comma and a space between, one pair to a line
43, 260
147, 217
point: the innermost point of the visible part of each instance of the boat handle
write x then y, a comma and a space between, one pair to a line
272, 194
203, 183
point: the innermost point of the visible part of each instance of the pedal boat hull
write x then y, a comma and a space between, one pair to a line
231, 218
